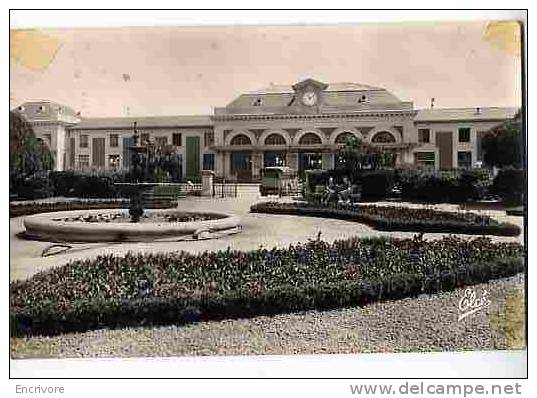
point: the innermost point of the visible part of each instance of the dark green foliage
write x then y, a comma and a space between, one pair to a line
86, 185
29, 159
26, 209
376, 184
392, 218
444, 186
510, 184
504, 146
148, 289
357, 155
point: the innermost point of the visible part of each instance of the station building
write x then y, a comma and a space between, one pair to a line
301, 126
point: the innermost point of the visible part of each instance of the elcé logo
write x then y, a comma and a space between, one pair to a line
470, 304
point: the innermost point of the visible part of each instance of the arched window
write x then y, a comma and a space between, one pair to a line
383, 137
241, 139
275, 139
310, 139
344, 137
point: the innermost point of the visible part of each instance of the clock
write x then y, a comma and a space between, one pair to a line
309, 98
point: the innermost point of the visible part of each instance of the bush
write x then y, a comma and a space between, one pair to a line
509, 184
26, 209
395, 218
36, 186
444, 186
376, 184
150, 289
86, 185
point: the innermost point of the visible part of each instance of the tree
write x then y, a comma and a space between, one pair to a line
28, 156
357, 155
503, 145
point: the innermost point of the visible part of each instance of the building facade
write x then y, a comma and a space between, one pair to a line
301, 126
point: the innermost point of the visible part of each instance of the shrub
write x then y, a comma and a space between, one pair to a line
86, 185
509, 184
376, 184
26, 209
444, 186
395, 218
149, 289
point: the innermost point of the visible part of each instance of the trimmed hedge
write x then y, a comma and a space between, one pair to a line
454, 186
26, 209
151, 289
394, 218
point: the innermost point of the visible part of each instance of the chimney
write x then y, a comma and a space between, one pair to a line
432, 103
478, 111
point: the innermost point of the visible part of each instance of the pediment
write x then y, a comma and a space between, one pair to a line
310, 82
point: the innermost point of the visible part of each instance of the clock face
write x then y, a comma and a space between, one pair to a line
309, 98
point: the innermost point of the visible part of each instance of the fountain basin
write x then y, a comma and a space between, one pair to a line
70, 226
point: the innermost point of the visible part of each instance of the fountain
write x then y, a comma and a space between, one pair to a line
136, 224
137, 185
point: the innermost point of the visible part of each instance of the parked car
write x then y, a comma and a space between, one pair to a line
278, 180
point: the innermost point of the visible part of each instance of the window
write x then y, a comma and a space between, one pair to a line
208, 137
464, 159
258, 102
464, 134
114, 140
177, 139
113, 161
144, 138
275, 139
310, 139
345, 137
383, 137
425, 159
208, 161
48, 139
241, 139
161, 141
84, 141
362, 99
424, 135
83, 161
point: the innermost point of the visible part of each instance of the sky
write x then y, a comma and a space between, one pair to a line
190, 70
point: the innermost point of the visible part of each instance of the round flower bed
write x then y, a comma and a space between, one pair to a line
149, 289
394, 218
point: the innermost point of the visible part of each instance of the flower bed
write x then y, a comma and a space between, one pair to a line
150, 289
395, 218
26, 209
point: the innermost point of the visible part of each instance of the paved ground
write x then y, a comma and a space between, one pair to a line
258, 230
426, 323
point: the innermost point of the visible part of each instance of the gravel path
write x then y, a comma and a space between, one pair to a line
425, 323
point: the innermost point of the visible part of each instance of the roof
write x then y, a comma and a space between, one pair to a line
356, 96
144, 122
47, 111
343, 86
470, 114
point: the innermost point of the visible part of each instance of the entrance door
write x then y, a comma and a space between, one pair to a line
309, 161
273, 158
241, 165
444, 142
192, 157
98, 153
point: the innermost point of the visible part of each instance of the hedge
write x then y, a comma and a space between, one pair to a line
154, 289
394, 218
455, 186
26, 209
